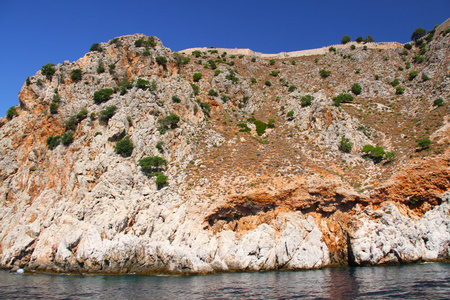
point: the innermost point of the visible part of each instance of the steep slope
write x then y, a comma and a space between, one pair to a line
259, 176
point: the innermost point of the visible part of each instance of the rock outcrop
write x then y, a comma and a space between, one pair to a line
258, 178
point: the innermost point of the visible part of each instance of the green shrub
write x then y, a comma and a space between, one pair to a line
253, 59
377, 77
212, 65
96, 47
395, 82
111, 68
407, 65
345, 145
306, 100
268, 83
271, 123
139, 43
244, 127
161, 180
369, 39
181, 60
150, 42
54, 108
213, 93
422, 51
142, 84
407, 46
169, 122
413, 74
71, 123
196, 53
290, 114
375, 153
216, 72
274, 73
82, 114
100, 68
365, 48
271, 62
197, 76
292, 88
28, 81
356, 89
152, 164
11, 113
293, 62
107, 113
353, 47
359, 39
390, 155
438, 102
176, 99
345, 39
206, 108
399, 90
324, 73
195, 88
418, 59
253, 80
342, 98
75, 75
424, 143
332, 49
53, 141
103, 95
159, 146
232, 76
400, 68
124, 147
161, 60
425, 77
48, 70
418, 33
67, 137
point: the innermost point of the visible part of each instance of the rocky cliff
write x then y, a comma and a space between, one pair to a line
127, 161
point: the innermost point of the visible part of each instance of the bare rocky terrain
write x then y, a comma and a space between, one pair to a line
265, 168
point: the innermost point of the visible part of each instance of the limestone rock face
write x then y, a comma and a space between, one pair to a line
255, 180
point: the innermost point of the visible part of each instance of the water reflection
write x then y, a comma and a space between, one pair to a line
427, 281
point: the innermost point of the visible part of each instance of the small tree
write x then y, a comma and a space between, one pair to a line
369, 39
82, 114
306, 100
161, 60
197, 76
413, 74
399, 90
48, 70
53, 108
169, 122
418, 33
359, 39
268, 83
345, 39
356, 89
152, 164
196, 53
345, 145
142, 84
176, 99
11, 113
107, 113
53, 141
67, 137
103, 95
161, 180
342, 98
96, 47
75, 75
407, 46
271, 62
438, 102
213, 93
424, 143
124, 147
324, 73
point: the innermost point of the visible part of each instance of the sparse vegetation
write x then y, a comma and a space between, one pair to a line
75, 75
169, 122
48, 70
11, 113
176, 99
107, 113
306, 100
53, 141
399, 90
342, 98
53, 108
424, 143
195, 89
96, 47
161, 60
213, 93
345, 145
412, 75
268, 83
67, 137
324, 73
103, 95
124, 147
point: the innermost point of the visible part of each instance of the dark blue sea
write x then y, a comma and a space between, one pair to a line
423, 281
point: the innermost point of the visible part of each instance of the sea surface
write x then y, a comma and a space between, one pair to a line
423, 281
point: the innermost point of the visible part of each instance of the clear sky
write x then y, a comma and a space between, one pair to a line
33, 33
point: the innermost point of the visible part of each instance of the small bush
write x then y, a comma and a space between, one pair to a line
53, 108
359, 39
169, 122
324, 73
274, 73
124, 147
253, 59
268, 83
48, 70
306, 100
28, 81
195, 88
413, 74
159, 146
332, 49
232, 76
438, 102
181, 60
161, 180
408, 65
425, 77
206, 108
111, 68
11, 113
345, 39
142, 84
161, 60
353, 47
53, 141
96, 47
365, 48
152, 164
100, 68
345, 145
356, 89
424, 143
407, 46
395, 82
82, 114
399, 90
293, 62
418, 59
244, 127
290, 114
71, 123
271, 62
75, 75
176, 99
197, 76
292, 88
103, 95
67, 137
418, 33
342, 98
377, 77
216, 72
212, 65
107, 113
253, 80
213, 93
376, 153
196, 53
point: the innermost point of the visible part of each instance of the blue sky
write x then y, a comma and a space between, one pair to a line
33, 33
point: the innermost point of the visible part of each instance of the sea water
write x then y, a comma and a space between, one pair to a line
423, 281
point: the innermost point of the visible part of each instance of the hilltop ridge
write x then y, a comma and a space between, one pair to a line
135, 158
